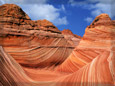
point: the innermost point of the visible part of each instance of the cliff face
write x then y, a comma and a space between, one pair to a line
31, 43
31, 51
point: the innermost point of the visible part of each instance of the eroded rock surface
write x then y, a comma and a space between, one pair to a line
92, 61
31, 44
73, 39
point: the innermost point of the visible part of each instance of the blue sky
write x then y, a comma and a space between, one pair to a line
75, 15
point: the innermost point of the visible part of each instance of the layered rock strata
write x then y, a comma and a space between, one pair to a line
31, 43
91, 63
71, 38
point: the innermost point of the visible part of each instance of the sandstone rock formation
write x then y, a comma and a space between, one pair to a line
27, 45
71, 38
92, 62
31, 43
98, 37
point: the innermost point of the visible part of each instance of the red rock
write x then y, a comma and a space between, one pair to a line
26, 45
94, 42
93, 56
31, 43
71, 38
12, 10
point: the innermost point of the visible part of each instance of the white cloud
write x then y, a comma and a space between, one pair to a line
63, 7
35, 1
101, 1
72, 2
61, 21
96, 6
101, 8
2, 2
42, 11
83, 2
26, 1
45, 11
89, 19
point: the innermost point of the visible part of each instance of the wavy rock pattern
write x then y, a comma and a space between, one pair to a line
98, 37
31, 43
91, 63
